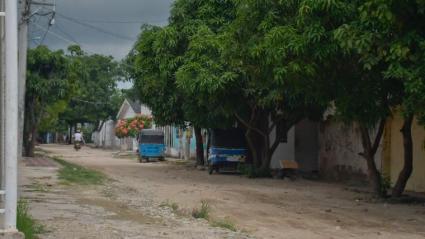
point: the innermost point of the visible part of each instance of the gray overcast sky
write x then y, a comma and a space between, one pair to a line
121, 18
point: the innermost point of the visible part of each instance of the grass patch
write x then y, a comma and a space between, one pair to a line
71, 173
25, 223
203, 211
224, 223
173, 205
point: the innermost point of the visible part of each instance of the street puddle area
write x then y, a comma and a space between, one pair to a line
119, 211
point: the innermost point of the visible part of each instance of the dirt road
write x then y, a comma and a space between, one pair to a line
260, 208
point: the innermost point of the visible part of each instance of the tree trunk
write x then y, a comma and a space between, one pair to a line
199, 147
374, 175
30, 142
253, 155
369, 154
29, 123
405, 173
70, 135
208, 143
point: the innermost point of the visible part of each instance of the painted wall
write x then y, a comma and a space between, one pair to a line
285, 151
106, 138
172, 142
307, 146
417, 180
339, 148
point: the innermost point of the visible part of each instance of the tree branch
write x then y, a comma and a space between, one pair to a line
246, 124
378, 136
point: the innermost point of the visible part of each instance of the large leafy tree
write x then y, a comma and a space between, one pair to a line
47, 84
161, 52
276, 55
95, 96
385, 39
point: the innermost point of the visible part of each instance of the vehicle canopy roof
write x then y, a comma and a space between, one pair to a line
151, 136
151, 132
228, 138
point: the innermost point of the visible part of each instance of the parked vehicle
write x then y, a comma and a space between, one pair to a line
151, 144
227, 151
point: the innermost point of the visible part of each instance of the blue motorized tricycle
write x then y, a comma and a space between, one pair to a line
227, 151
151, 145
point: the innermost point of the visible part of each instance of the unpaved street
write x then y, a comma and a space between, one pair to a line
130, 205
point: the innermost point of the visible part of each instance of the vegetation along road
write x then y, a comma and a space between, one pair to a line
117, 197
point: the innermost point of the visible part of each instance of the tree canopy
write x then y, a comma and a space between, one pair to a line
269, 64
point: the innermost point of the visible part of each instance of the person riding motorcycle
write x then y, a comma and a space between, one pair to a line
78, 139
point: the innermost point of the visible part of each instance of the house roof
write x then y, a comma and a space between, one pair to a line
127, 105
135, 105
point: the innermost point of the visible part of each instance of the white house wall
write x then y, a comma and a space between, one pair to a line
285, 151
144, 110
105, 138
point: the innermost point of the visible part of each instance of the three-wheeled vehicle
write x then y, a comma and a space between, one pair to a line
227, 150
151, 144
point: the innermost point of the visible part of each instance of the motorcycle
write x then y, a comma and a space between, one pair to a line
77, 145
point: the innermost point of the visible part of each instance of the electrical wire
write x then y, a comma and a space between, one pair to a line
45, 34
96, 28
58, 26
55, 34
58, 36
113, 21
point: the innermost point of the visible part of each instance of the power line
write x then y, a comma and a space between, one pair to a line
114, 21
62, 38
96, 28
57, 26
45, 34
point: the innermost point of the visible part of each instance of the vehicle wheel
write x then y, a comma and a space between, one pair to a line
140, 159
147, 160
161, 159
210, 170
217, 170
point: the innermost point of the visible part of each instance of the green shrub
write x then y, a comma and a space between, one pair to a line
202, 212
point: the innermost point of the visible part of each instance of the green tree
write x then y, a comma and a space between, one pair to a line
277, 55
95, 96
47, 84
386, 40
161, 52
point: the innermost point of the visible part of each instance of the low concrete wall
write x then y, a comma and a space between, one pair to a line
339, 148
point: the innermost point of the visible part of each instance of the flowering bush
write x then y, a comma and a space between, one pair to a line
131, 127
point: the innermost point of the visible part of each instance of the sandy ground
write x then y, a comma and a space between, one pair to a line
129, 207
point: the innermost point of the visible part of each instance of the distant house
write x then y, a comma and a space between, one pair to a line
105, 137
130, 109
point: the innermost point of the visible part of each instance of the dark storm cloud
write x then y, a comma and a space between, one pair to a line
101, 26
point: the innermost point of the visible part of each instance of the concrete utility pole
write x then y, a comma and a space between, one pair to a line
25, 11
10, 117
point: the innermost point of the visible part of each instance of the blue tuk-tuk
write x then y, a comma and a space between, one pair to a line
151, 144
227, 150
